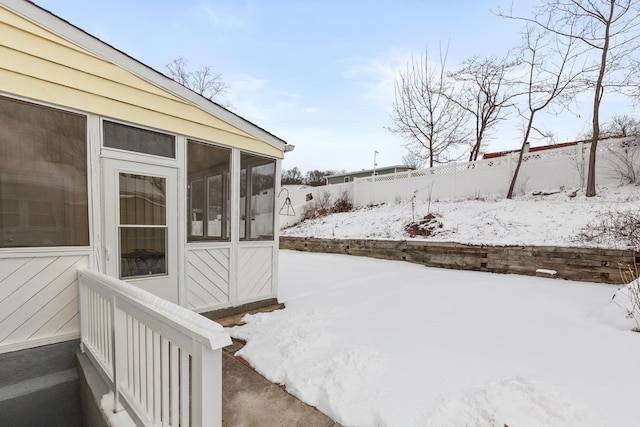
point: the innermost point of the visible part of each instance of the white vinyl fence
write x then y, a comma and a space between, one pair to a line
162, 361
543, 170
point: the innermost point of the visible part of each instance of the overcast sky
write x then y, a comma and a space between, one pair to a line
318, 73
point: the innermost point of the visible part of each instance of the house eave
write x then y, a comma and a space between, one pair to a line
81, 38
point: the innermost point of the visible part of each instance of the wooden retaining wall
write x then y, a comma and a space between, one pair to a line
582, 264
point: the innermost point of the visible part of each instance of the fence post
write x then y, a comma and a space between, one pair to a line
453, 181
355, 192
581, 167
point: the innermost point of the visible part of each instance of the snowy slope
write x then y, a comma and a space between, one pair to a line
528, 220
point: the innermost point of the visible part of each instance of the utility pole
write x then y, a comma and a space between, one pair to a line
375, 153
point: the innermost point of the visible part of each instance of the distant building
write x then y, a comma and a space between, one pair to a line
349, 176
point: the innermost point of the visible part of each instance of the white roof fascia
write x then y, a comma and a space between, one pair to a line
96, 46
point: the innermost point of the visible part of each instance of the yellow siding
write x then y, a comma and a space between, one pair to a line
41, 65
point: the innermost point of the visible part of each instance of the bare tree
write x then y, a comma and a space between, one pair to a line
424, 113
621, 126
201, 81
316, 177
610, 30
485, 93
414, 160
552, 76
291, 176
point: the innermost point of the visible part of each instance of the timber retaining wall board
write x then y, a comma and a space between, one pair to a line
581, 264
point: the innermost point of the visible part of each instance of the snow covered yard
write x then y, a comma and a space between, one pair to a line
386, 343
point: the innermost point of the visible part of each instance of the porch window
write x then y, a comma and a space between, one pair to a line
208, 181
43, 176
144, 141
257, 197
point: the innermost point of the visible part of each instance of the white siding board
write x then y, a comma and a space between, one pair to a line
49, 307
194, 301
217, 271
64, 319
204, 288
34, 295
40, 299
207, 277
20, 276
7, 268
255, 272
23, 284
40, 280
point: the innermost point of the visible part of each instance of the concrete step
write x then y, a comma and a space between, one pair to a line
39, 387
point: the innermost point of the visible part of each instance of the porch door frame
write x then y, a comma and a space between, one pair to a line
166, 285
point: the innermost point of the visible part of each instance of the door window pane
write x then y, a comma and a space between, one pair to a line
208, 168
142, 251
143, 225
142, 200
257, 197
117, 135
43, 176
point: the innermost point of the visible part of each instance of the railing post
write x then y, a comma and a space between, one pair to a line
118, 349
207, 387
83, 307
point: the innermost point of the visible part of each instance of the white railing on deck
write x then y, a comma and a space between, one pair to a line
162, 361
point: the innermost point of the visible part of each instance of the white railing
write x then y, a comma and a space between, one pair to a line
162, 361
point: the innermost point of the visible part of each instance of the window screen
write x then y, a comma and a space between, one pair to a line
257, 197
43, 176
208, 181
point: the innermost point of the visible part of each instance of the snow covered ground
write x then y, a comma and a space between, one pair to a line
529, 220
385, 343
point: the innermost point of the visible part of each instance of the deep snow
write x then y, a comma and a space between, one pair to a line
385, 343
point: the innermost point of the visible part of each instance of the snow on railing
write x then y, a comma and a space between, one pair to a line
162, 361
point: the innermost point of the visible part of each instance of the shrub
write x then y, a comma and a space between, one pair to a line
343, 203
323, 205
614, 229
625, 162
428, 226
630, 294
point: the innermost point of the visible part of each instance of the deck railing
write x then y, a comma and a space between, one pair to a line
162, 361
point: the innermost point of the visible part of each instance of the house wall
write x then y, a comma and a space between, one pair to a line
59, 70
39, 297
38, 286
339, 179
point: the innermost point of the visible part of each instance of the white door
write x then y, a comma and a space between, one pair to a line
141, 224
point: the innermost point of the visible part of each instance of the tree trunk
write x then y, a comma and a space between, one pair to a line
591, 176
524, 145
